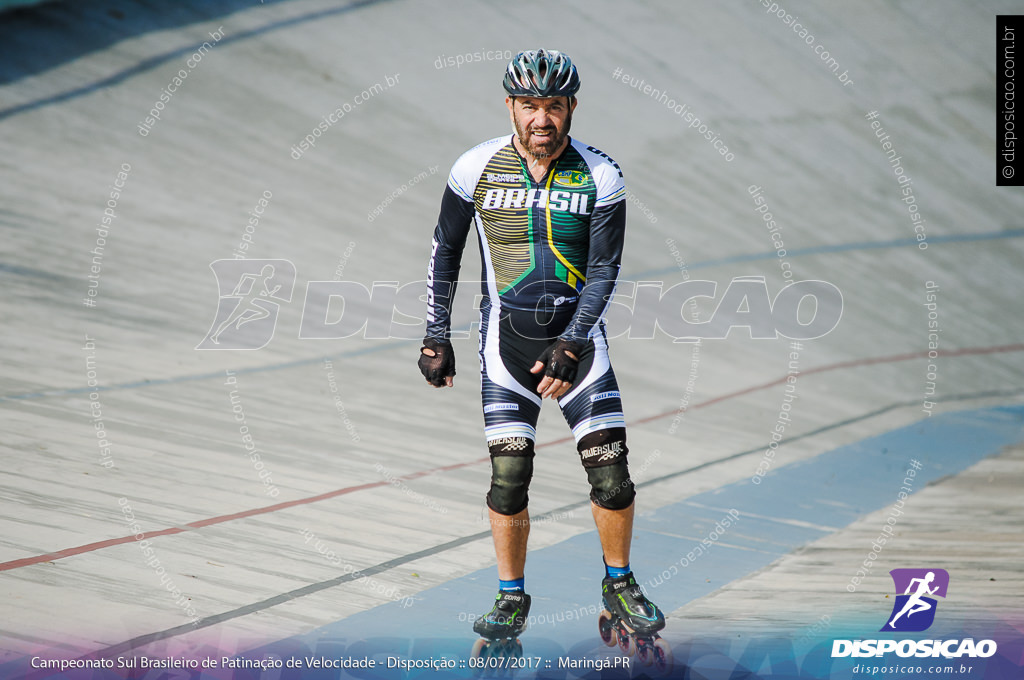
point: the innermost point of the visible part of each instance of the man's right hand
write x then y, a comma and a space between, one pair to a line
437, 362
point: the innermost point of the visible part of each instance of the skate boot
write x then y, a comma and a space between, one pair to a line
633, 621
507, 618
499, 647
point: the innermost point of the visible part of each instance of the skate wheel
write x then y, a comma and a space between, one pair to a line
511, 648
643, 653
607, 630
662, 653
479, 650
626, 644
501, 653
499, 649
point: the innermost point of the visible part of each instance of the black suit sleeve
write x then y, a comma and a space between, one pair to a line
445, 260
607, 235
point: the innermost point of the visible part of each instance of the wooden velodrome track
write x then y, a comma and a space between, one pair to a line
358, 457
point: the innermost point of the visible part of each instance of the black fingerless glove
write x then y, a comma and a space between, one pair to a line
561, 359
440, 366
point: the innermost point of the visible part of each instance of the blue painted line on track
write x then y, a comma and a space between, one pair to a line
795, 504
792, 506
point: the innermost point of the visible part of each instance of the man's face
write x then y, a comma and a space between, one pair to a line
541, 124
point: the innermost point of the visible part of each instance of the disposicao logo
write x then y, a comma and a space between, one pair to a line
251, 294
914, 611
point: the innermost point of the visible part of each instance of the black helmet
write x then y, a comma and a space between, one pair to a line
541, 73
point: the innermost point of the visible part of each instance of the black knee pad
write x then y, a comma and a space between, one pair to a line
610, 486
511, 471
604, 457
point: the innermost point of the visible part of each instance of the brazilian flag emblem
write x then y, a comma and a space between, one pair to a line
570, 178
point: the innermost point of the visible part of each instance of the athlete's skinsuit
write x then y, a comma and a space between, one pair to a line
551, 252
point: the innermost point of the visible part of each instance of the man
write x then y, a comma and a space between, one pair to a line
550, 217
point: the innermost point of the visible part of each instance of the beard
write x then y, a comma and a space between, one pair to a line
539, 148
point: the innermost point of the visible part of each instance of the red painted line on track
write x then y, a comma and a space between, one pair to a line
856, 363
818, 369
78, 550
198, 524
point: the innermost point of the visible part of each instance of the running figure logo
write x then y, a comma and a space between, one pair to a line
251, 293
914, 611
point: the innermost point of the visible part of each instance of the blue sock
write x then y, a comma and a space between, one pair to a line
513, 585
615, 572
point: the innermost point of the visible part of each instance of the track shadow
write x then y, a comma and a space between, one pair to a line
39, 38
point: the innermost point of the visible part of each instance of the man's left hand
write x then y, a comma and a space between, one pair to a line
559, 363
